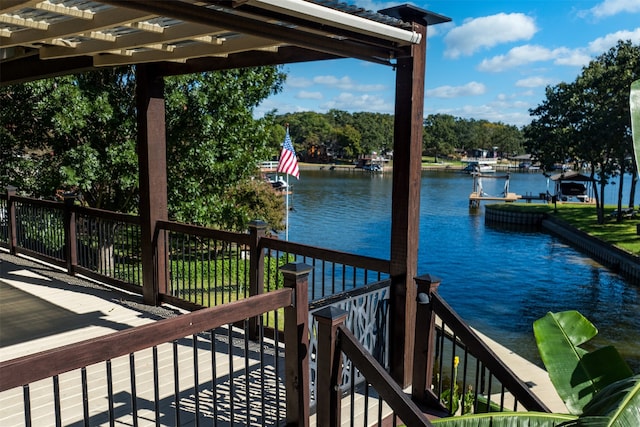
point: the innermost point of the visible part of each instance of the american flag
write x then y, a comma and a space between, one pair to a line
288, 163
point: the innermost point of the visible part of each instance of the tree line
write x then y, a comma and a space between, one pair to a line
342, 136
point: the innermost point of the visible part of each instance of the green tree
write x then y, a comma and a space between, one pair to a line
589, 120
311, 133
82, 137
376, 130
213, 142
604, 90
348, 139
550, 135
439, 137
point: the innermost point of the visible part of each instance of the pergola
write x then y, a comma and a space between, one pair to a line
41, 39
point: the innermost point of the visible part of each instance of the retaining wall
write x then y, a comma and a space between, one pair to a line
501, 216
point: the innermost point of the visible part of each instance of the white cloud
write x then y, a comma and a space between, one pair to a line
488, 31
614, 7
298, 82
346, 83
527, 54
517, 56
572, 57
489, 112
469, 89
333, 81
350, 102
534, 82
603, 44
303, 94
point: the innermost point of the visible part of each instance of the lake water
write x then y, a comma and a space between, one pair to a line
499, 281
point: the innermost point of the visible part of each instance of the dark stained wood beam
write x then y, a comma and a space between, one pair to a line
405, 216
284, 55
30, 68
152, 161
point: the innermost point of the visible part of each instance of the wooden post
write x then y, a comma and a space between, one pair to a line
257, 230
424, 352
407, 171
70, 240
405, 216
329, 367
296, 338
152, 160
11, 214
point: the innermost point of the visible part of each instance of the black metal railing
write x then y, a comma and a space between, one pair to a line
377, 400
40, 228
461, 371
108, 245
4, 221
332, 271
206, 267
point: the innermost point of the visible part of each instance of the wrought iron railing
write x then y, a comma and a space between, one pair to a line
4, 221
376, 400
40, 228
461, 371
108, 245
206, 267
333, 272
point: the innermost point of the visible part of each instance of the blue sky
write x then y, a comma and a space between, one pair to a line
491, 62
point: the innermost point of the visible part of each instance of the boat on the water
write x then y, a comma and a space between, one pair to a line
479, 166
278, 182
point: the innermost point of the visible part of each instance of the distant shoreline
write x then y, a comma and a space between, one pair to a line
433, 167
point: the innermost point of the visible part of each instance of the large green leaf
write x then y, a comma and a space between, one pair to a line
576, 374
505, 419
617, 405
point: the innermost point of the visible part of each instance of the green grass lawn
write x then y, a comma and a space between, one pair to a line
622, 234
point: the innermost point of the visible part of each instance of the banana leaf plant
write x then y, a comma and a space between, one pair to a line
597, 387
576, 374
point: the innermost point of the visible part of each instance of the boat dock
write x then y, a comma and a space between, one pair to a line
478, 195
475, 198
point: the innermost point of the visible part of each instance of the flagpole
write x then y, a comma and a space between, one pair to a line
286, 232
288, 165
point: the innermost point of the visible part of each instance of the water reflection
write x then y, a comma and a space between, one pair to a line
499, 280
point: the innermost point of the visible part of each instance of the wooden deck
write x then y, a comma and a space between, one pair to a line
42, 308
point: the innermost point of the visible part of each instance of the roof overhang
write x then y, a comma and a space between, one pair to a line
40, 39
571, 176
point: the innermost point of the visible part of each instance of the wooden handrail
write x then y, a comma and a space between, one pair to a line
30, 368
196, 230
359, 261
